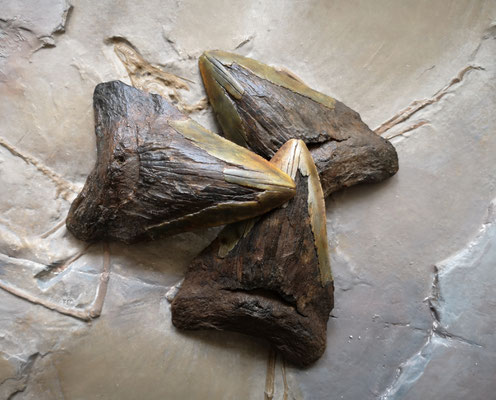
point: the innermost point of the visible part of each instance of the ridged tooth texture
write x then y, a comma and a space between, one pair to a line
158, 172
295, 159
269, 276
269, 107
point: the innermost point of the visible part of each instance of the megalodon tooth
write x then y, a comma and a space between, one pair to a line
261, 107
159, 172
269, 276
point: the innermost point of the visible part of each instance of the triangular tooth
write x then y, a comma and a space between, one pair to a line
261, 107
158, 172
223, 105
294, 158
269, 276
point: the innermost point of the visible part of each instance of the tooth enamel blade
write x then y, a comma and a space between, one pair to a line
158, 172
269, 276
261, 108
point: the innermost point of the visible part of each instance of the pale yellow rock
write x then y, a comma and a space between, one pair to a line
377, 57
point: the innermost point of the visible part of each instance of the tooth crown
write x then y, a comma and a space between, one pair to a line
268, 107
295, 159
261, 108
158, 172
269, 276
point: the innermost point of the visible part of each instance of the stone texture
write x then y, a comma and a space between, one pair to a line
412, 70
462, 332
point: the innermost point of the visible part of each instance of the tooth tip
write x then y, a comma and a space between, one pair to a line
208, 56
204, 57
217, 57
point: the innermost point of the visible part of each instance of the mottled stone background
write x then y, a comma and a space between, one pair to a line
414, 258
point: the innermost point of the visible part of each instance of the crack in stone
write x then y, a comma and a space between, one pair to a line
16, 392
271, 389
64, 187
66, 16
14, 379
245, 41
489, 33
23, 375
418, 105
54, 229
437, 327
407, 129
284, 380
94, 311
403, 325
54, 269
26, 370
443, 333
413, 368
44, 40
48, 41
270, 375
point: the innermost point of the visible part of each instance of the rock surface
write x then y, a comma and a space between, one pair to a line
419, 73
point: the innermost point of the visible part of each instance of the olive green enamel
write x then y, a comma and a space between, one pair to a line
224, 107
269, 73
253, 171
293, 156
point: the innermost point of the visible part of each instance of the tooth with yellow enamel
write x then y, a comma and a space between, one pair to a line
159, 172
269, 276
261, 108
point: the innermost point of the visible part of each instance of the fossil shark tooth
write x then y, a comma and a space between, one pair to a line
269, 276
159, 172
261, 107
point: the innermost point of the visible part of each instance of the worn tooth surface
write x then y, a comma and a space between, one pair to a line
158, 172
269, 276
261, 108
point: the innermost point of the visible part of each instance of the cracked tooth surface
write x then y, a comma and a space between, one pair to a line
261, 108
158, 172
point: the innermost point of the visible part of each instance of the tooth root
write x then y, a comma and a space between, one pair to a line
269, 276
158, 172
274, 108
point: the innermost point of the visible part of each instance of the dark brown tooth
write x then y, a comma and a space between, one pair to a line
270, 276
366, 158
261, 108
159, 172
